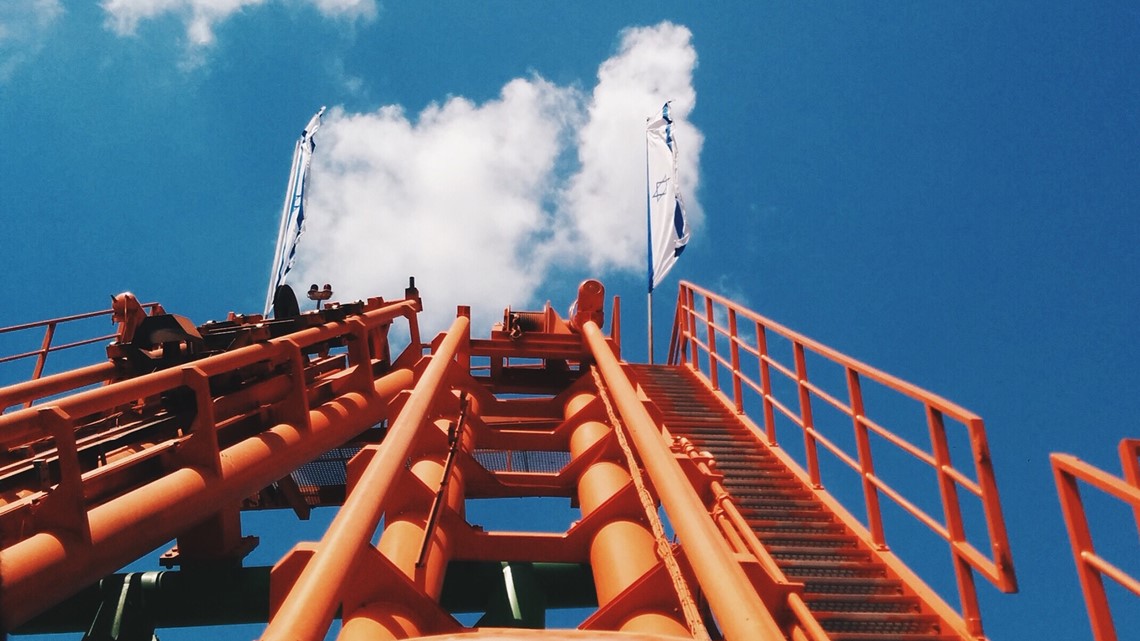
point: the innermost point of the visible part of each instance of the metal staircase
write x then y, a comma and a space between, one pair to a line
853, 595
738, 386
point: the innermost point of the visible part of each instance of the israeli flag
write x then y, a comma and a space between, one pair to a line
668, 231
293, 211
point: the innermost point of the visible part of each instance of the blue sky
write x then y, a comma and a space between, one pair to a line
945, 191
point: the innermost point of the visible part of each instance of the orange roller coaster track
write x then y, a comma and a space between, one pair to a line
695, 520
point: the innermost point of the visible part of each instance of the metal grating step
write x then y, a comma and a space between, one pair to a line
832, 530
820, 555
853, 597
816, 542
850, 586
817, 569
778, 503
881, 623
895, 603
881, 637
768, 487
784, 515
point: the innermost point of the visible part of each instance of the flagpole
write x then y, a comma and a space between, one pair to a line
648, 245
650, 307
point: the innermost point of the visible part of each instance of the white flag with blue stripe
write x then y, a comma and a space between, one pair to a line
668, 230
293, 211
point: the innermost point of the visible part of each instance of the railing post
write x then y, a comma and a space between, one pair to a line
49, 333
296, 404
1073, 509
866, 463
734, 347
615, 323
948, 489
677, 340
766, 384
691, 306
805, 415
359, 356
710, 325
1130, 466
991, 504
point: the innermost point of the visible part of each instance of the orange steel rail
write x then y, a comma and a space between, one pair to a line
707, 337
250, 414
733, 600
1069, 472
76, 543
311, 603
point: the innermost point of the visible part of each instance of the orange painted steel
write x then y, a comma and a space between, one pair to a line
1130, 462
311, 603
688, 603
737, 531
41, 387
370, 612
82, 543
1069, 472
622, 549
731, 596
703, 317
293, 409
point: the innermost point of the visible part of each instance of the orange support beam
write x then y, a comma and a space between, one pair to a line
51, 565
371, 613
308, 609
732, 597
622, 549
761, 549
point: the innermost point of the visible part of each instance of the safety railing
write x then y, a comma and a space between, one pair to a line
714, 336
38, 570
49, 328
1092, 568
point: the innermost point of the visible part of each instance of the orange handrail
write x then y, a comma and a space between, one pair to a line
704, 319
50, 325
731, 596
1091, 567
311, 604
92, 540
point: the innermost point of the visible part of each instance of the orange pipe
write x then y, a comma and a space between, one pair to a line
738, 609
308, 609
19, 424
622, 550
55, 384
49, 566
380, 620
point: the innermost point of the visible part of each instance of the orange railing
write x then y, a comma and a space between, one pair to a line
713, 335
83, 540
49, 328
1091, 567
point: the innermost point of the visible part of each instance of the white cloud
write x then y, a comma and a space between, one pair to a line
202, 16
24, 24
346, 8
605, 198
475, 199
